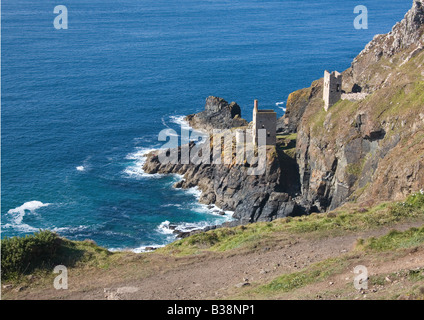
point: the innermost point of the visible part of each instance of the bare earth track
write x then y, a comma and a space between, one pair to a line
216, 275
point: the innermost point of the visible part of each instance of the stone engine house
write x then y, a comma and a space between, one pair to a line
264, 119
332, 88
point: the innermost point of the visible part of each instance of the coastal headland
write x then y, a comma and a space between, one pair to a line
342, 188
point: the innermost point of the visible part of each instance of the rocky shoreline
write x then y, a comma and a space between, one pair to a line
229, 187
368, 148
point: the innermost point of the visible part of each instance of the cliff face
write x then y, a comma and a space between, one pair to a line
370, 150
251, 197
404, 41
297, 102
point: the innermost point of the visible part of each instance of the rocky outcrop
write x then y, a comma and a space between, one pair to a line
372, 149
296, 106
405, 40
371, 70
218, 114
253, 198
231, 187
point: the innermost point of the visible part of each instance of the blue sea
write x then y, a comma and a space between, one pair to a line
81, 106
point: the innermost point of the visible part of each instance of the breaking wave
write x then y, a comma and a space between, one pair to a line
180, 120
17, 215
135, 170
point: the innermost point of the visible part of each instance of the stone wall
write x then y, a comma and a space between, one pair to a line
354, 96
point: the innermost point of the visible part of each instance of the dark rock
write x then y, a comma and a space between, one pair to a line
356, 88
218, 114
230, 187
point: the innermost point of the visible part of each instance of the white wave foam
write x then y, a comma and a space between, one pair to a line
195, 191
209, 209
192, 226
164, 228
139, 153
139, 249
23, 227
136, 169
278, 104
17, 215
171, 205
146, 248
164, 122
70, 229
180, 120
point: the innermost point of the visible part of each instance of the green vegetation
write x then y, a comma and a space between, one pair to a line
287, 144
346, 218
354, 169
21, 255
315, 273
394, 240
44, 250
412, 275
39, 253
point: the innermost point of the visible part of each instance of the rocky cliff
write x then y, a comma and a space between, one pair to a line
367, 150
253, 198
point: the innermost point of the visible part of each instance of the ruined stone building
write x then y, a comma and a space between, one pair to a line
264, 119
332, 91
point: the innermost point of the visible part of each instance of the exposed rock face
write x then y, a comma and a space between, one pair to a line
296, 106
404, 34
218, 114
251, 197
366, 74
367, 150
406, 37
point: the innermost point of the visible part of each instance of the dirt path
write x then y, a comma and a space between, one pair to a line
205, 276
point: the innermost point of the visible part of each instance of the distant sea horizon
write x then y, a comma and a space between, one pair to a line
80, 107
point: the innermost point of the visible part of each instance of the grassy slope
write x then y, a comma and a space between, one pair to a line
287, 144
401, 98
345, 219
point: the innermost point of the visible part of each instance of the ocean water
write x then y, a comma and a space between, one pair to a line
81, 106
